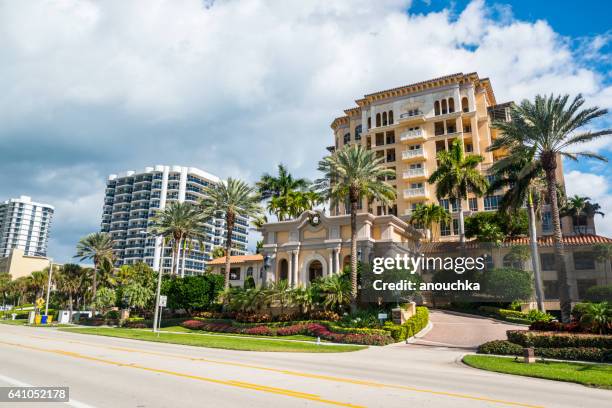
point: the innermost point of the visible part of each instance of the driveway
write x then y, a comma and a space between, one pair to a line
463, 331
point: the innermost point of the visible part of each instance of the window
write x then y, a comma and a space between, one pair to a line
390, 117
473, 202
451, 105
378, 120
491, 202
583, 285
249, 271
439, 128
464, 104
444, 107
584, 260
436, 108
445, 229
358, 132
384, 119
391, 155
511, 262
369, 123
551, 289
444, 203
380, 139
234, 274
468, 147
455, 205
390, 137
455, 226
547, 262
546, 222
347, 138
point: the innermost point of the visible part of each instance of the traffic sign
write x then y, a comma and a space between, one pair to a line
162, 300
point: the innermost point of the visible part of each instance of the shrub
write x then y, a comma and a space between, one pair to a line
556, 339
324, 315
575, 353
411, 327
555, 326
246, 317
193, 324
260, 331
535, 315
599, 294
193, 293
501, 347
292, 330
286, 317
112, 314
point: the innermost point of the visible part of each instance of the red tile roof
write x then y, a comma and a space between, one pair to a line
587, 239
237, 259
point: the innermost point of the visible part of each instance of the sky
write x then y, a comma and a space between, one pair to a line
235, 87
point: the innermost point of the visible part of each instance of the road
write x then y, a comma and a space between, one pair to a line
110, 372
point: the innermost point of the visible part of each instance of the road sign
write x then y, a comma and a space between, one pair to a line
162, 300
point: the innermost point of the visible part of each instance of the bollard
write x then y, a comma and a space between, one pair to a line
529, 355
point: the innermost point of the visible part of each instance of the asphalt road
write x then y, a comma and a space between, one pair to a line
109, 372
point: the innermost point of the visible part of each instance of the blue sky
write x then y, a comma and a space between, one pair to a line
235, 87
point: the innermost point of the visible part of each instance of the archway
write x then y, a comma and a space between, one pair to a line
315, 270
283, 270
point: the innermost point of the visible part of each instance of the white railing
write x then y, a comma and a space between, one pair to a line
409, 154
412, 134
415, 192
414, 173
411, 114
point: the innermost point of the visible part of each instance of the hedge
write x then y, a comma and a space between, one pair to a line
504, 347
411, 327
558, 339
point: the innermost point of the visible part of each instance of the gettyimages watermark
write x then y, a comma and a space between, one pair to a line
466, 274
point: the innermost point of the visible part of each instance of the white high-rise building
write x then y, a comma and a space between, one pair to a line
24, 224
133, 198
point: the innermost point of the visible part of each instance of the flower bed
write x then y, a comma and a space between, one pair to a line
321, 330
558, 339
504, 347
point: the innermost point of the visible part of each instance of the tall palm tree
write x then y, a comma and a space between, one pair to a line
233, 198
523, 189
97, 247
429, 214
181, 223
5, 286
37, 282
278, 186
69, 282
352, 173
550, 127
456, 175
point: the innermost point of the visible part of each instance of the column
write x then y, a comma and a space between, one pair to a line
330, 264
338, 260
290, 274
296, 270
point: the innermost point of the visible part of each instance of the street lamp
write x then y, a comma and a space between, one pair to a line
160, 271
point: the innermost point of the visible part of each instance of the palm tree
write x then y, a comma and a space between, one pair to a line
456, 175
523, 189
577, 206
279, 292
336, 292
429, 214
97, 247
5, 286
353, 173
181, 223
277, 186
217, 252
69, 282
549, 127
37, 282
234, 198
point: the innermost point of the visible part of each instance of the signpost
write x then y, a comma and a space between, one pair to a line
163, 300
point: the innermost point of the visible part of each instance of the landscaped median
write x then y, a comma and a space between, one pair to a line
217, 341
596, 375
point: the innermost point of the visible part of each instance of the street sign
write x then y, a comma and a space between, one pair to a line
382, 316
162, 300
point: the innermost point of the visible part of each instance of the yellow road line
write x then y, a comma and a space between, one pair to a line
232, 383
300, 374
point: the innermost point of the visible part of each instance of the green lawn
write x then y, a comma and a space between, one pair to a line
182, 329
217, 341
23, 322
596, 375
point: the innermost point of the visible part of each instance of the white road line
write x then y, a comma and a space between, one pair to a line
73, 403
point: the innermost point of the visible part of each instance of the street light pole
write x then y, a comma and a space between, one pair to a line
160, 271
49, 286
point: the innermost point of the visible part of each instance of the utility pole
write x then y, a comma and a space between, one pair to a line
49, 286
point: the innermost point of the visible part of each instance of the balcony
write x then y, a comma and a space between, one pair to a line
415, 192
412, 116
413, 154
414, 173
416, 134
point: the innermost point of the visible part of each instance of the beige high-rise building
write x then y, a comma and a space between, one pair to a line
410, 124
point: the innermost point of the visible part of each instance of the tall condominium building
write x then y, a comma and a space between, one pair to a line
24, 224
409, 125
133, 198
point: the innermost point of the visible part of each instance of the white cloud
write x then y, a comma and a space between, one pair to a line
599, 189
237, 87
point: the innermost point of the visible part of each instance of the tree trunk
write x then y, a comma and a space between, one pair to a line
183, 261
549, 162
70, 309
535, 257
94, 288
178, 257
354, 198
230, 218
461, 223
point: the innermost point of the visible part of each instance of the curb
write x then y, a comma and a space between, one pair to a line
420, 334
476, 316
